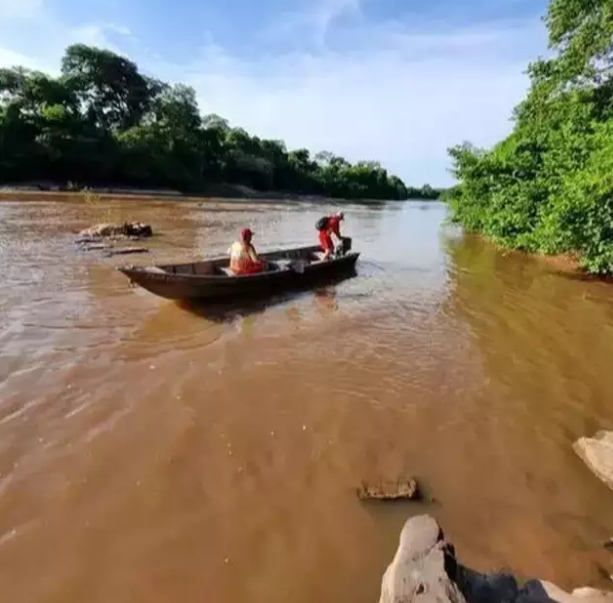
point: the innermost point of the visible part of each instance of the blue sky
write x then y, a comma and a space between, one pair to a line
393, 80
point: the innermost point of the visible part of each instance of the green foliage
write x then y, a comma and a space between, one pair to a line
102, 122
425, 192
548, 187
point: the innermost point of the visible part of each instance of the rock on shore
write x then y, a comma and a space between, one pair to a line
425, 570
597, 454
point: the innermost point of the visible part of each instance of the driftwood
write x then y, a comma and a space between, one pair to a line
96, 240
95, 246
128, 250
403, 489
111, 250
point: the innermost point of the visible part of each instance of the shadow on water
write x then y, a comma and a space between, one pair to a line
228, 311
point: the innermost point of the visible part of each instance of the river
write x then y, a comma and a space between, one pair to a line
153, 454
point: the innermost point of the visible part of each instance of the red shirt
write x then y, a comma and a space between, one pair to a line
334, 224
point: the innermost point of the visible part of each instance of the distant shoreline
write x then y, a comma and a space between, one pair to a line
34, 191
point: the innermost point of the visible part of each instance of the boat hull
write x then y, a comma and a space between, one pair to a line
202, 281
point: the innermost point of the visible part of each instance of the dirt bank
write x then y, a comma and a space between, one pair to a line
33, 191
565, 264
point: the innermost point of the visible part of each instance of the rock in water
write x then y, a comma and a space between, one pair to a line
102, 230
138, 229
424, 568
406, 489
597, 454
127, 229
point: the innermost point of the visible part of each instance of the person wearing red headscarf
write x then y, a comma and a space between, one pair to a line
243, 256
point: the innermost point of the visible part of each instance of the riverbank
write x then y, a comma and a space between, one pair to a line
29, 191
564, 264
568, 265
235, 192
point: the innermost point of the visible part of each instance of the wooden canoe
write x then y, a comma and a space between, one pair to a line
288, 269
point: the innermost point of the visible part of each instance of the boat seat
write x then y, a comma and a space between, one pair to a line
272, 267
155, 269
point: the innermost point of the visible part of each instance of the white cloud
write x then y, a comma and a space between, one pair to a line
400, 94
96, 34
311, 22
36, 37
400, 97
9, 58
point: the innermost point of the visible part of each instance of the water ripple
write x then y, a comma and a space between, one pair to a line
157, 440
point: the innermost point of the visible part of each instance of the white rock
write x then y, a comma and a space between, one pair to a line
597, 454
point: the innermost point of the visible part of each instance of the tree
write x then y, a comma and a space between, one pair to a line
102, 121
109, 87
547, 186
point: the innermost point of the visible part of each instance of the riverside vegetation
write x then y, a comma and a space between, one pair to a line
101, 121
548, 187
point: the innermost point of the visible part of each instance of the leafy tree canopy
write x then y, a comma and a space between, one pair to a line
102, 122
548, 187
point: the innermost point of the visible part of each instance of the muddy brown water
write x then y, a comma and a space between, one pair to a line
153, 454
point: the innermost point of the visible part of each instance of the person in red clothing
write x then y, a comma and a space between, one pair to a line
243, 257
328, 226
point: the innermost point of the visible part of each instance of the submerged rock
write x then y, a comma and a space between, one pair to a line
127, 229
406, 489
597, 454
425, 570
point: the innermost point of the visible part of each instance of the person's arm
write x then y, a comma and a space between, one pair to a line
336, 229
252, 253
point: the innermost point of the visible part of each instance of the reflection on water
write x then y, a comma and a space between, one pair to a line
228, 310
154, 451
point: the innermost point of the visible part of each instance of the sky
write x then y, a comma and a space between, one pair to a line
397, 81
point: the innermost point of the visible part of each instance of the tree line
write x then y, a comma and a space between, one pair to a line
102, 122
548, 186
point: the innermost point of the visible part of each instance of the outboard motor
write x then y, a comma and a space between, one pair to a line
343, 247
